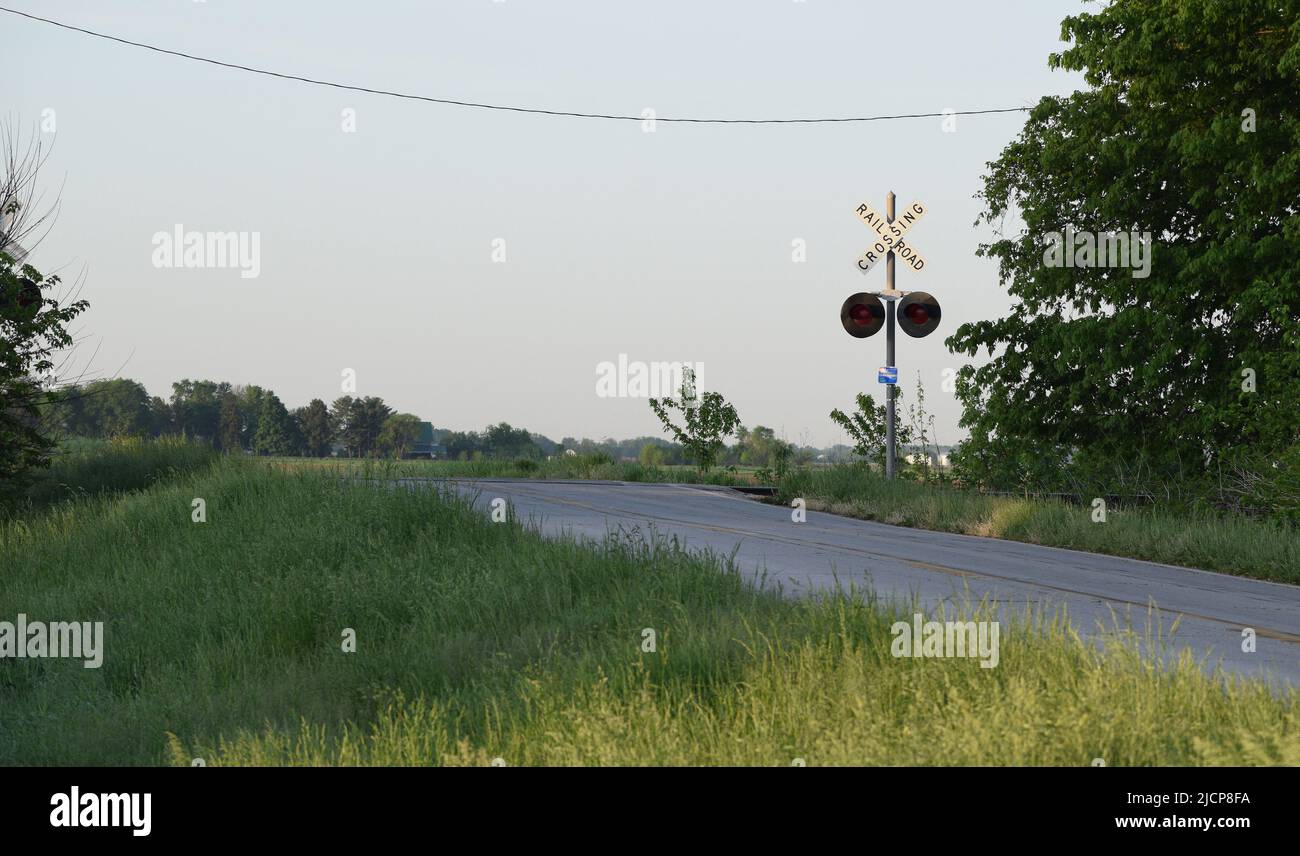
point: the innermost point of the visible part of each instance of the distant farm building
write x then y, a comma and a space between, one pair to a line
424, 445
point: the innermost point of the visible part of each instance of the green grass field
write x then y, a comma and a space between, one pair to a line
477, 641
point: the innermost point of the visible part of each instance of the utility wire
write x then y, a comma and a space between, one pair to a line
454, 102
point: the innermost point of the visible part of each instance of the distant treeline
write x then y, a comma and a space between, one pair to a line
233, 417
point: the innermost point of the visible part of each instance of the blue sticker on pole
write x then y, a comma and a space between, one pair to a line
888, 374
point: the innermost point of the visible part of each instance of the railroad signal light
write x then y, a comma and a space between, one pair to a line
918, 314
862, 315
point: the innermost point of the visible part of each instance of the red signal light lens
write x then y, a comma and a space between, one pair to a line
918, 314
861, 315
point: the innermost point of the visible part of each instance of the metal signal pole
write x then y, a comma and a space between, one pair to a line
889, 347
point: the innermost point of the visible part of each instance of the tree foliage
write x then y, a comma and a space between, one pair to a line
196, 407
707, 420
651, 456
316, 429
399, 433
33, 321
276, 433
761, 447
114, 407
866, 427
1189, 131
496, 441
230, 424
358, 423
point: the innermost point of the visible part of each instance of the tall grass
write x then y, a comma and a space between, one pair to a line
1239, 545
82, 468
477, 641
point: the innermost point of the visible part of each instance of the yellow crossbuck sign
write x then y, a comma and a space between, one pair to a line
889, 236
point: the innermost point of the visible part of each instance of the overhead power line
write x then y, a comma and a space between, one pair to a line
458, 103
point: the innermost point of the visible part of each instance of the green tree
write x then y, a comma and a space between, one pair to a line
762, 448
276, 433
372, 415
104, 408
1188, 131
866, 427
503, 441
651, 456
196, 407
230, 424
340, 412
707, 420
249, 399
316, 428
33, 324
462, 445
359, 422
160, 416
122, 407
1009, 464
399, 433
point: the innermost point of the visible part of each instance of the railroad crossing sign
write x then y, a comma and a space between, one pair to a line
864, 313
889, 236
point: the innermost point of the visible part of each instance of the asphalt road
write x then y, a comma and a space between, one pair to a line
1098, 591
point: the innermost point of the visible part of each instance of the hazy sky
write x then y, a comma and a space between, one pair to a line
376, 245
